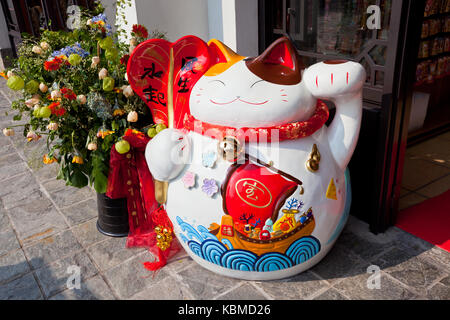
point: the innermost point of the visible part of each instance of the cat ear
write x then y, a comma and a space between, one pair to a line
221, 56
279, 63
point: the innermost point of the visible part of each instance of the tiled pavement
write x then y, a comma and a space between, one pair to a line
45, 227
426, 172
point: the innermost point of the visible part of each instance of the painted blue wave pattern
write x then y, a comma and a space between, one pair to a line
212, 250
303, 249
239, 260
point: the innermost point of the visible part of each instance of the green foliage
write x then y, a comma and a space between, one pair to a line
78, 124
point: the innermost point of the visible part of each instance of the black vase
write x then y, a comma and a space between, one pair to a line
112, 216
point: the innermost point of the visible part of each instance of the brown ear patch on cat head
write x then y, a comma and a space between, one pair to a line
222, 57
279, 63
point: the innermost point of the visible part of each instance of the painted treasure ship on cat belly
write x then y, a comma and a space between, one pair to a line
250, 236
253, 194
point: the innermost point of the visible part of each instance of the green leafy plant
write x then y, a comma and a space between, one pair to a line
76, 94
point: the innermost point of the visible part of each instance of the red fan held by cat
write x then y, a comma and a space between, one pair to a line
163, 73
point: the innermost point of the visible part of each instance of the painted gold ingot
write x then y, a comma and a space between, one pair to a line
314, 158
302, 190
163, 237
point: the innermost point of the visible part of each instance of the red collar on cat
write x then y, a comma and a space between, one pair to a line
289, 131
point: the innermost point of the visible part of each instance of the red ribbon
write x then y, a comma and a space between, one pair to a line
129, 177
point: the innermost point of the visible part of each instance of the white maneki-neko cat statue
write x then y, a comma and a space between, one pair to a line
255, 184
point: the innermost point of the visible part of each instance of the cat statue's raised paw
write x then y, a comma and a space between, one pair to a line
258, 186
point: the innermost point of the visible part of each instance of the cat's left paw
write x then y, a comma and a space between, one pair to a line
333, 78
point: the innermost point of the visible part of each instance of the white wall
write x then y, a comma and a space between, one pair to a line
234, 22
247, 27
175, 17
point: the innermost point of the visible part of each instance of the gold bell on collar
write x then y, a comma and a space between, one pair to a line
230, 148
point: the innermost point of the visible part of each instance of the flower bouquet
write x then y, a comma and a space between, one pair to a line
76, 95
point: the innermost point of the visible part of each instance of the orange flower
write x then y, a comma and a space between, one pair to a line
102, 133
138, 134
77, 159
118, 112
2, 74
56, 109
48, 160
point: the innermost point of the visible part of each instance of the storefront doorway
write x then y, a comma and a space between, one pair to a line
30, 16
339, 29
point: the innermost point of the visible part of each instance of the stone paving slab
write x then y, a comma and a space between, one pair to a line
355, 287
36, 220
415, 272
9, 241
52, 248
301, 286
111, 252
87, 233
331, 294
24, 288
165, 289
12, 265
204, 284
19, 190
81, 212
53, 278
129, 278
245, 291
94, 288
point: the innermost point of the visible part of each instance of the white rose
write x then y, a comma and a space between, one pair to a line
55, 94
82, 99
95, 61
31, 102
45, 46
89, 22
10, 74
92, 146
52, 126
128, 91
103, 74
132, 116
32, 135
43, 87
37, 50
8, 132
